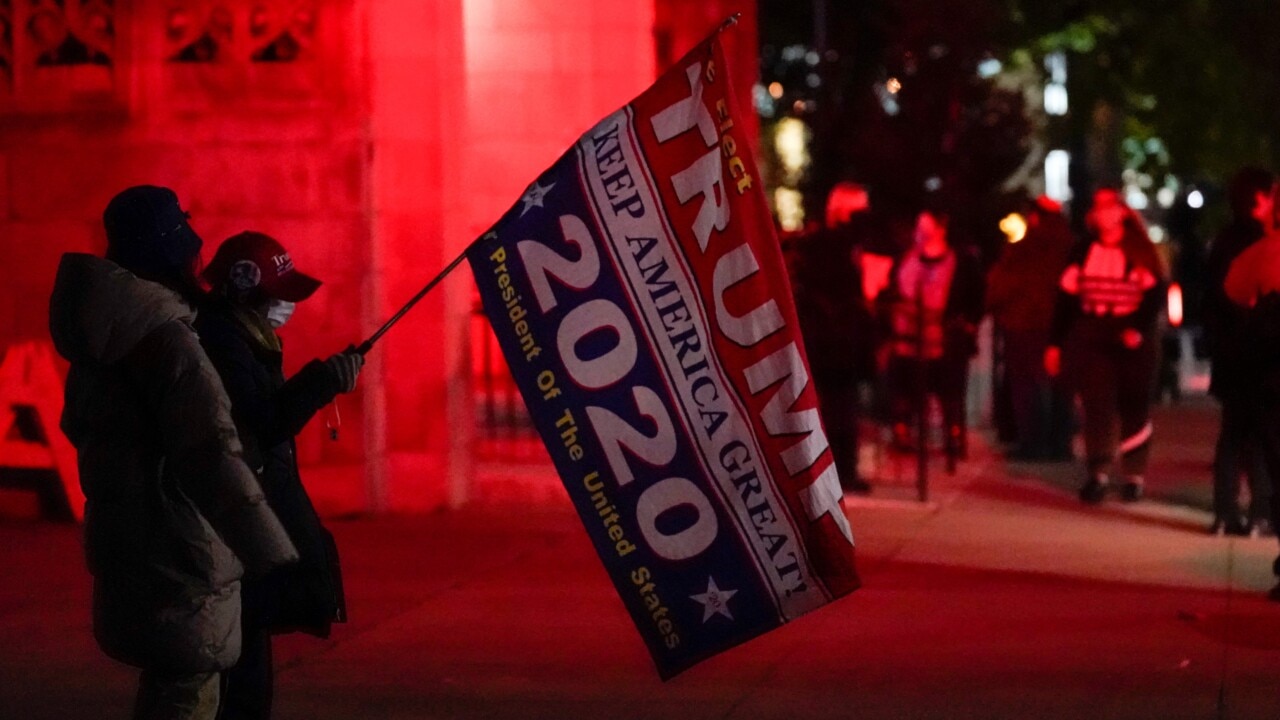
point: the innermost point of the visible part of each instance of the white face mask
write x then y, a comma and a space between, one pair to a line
279, 312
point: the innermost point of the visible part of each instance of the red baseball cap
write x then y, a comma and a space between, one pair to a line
252, 261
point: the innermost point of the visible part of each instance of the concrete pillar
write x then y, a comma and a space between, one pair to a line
416, 114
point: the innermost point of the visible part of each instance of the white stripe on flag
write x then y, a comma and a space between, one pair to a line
799, 589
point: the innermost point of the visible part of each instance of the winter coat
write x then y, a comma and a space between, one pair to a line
1023, 286
1253, 285
269, 412
837, 326
1224, 322
172, 510
961, 312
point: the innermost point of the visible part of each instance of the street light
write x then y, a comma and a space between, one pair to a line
1014, 227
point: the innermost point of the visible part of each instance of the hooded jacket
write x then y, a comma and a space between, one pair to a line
173, 515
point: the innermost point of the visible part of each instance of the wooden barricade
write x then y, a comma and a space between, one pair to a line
30, 410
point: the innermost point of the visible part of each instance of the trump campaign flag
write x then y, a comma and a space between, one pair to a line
638, 292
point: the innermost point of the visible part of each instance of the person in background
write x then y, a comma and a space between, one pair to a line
255, 290
1229, 347
1107, 316
1021, 291
835, 321
173, 515
1253, 283
933, 303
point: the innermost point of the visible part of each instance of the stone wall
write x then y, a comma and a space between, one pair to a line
264, 131
375, 138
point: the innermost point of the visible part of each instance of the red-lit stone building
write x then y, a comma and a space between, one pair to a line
374, 137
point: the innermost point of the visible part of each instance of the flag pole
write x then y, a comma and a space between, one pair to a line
367, 345
334, 421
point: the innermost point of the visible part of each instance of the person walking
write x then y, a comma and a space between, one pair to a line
1021, 291
934, 303
255, 290
1238, 445
1107, 315
173, 515
1253, 283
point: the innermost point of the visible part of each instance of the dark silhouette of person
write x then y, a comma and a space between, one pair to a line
1230, 345
1253, 283
1022, 288
835, 321
174, 518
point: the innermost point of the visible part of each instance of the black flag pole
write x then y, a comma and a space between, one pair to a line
367, 345
334, 421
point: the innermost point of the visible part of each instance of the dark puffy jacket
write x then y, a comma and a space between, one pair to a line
172, 510
835, 321
1224, 322
268, 413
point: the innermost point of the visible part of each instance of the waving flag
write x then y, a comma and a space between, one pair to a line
638, 293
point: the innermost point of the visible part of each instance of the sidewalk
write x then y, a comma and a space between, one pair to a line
1002, 598
1181, 468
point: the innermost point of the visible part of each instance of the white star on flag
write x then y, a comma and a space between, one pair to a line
534, 195
714, 601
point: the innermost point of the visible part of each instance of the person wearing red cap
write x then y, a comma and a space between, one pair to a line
255, 288
173, 516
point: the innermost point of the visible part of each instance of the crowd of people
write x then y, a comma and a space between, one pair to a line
871, 306
203, 542
1079, 320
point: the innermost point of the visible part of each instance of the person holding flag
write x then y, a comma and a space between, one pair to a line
255, 290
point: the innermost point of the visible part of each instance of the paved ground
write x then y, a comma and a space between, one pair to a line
1004, 598
1181, 461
